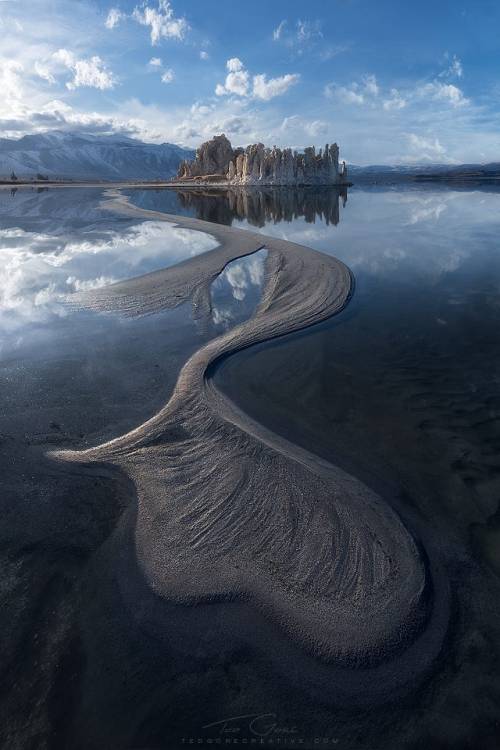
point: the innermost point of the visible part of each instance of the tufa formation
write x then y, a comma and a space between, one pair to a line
217, 162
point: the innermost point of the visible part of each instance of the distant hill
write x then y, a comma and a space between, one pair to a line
478, 173
384, 173
89, 157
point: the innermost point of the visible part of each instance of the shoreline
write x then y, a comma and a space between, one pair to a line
193, 563
124, 184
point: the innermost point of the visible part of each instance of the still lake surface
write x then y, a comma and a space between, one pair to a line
403, 385
402, 388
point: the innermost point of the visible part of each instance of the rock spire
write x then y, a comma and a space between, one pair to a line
217, 162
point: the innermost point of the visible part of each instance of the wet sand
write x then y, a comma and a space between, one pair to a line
231, 571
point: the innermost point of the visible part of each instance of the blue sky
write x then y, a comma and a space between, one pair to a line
390, 81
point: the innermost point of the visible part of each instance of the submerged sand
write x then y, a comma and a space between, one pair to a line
228, 511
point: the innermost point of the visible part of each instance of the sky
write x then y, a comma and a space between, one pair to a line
392, 81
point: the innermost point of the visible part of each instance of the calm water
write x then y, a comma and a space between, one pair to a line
402, 388
403, 384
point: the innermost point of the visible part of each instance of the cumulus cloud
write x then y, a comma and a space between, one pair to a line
426, 148
238, 82
167, 76
204, 55
43, 72
90, 73
237, 79
445, 92
113, 18
162, 22
264, 88
10, 77
58, 115
368, 92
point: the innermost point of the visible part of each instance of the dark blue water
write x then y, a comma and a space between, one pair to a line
404, 385
402, 388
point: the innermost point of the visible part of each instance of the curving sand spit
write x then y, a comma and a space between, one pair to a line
228, 510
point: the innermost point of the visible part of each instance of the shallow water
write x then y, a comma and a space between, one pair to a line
403, 385
236, 292
401, 389
53, 244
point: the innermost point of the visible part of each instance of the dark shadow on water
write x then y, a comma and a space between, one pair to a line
258, 206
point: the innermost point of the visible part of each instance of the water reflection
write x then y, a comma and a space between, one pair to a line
47, 255
236, 292
258, 206
404, 384
87, 372
402, 388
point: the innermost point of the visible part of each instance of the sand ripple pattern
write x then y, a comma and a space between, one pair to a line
228, 510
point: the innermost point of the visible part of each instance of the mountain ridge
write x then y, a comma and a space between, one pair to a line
59, 155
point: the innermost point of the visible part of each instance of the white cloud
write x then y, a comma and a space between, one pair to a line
39, 269
333, 51
307, 30
454, 69
91, 72
264, 88
162, 21
299, 35
426, 149
204, 55
10, 78
446, 92
371, 85
349, 95
357, 93
238, 82
294, 124
113, 18
43, 72
234, 65
316, 128
168, 76
396, 101
278, 31
156, 62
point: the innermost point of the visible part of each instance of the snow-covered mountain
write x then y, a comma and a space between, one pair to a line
81, 156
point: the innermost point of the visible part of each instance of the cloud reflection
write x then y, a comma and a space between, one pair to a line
39, 268
236, 291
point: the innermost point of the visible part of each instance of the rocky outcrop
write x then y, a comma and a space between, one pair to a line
212, 158
216, 161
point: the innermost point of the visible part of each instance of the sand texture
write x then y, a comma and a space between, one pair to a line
229, 511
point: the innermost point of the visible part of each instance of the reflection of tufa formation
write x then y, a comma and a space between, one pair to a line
217, 162
264, 204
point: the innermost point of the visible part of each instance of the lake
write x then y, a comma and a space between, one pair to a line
400, 389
